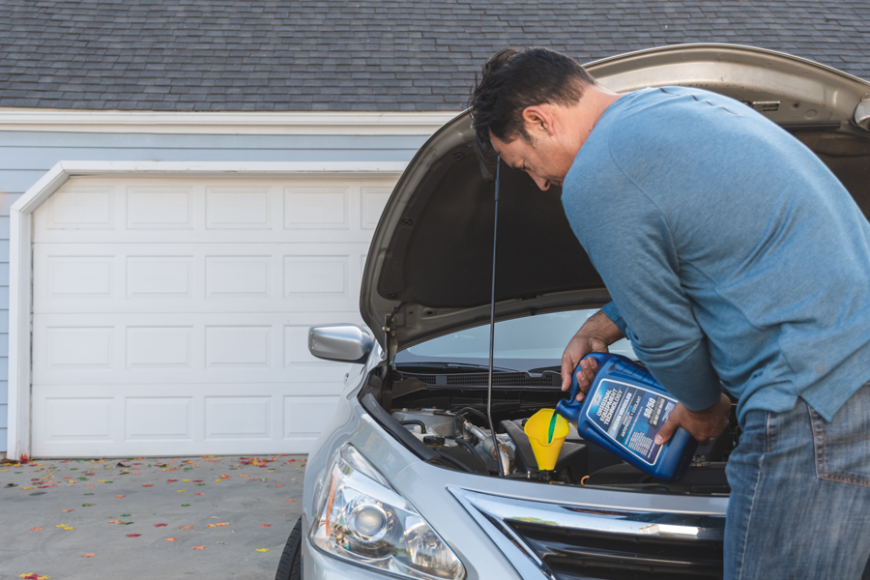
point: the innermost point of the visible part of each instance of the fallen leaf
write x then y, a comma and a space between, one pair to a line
120, 496
278, 485
60, 526
68, 528
171, 480
66, 511
160, 525
262, 549
89, 485
218, 525
88, 555
244, 475
199, 494
171, 539
265, 525
291, 501
133, 535
115, 522
35, 529
180, 490
148, 485
26, 488
225, 476
125, 515
88, 494
197, 481
186, 528
87, 505
185, 505
199, 547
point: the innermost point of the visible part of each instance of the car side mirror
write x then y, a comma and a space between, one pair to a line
340, 342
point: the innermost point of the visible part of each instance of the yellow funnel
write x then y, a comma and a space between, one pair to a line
547, 431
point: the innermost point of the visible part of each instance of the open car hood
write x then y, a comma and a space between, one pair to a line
430, 263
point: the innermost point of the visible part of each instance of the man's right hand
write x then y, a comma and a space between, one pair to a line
594, 336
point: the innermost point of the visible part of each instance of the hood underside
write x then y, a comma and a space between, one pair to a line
430, 264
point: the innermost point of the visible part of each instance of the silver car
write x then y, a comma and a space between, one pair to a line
406, 480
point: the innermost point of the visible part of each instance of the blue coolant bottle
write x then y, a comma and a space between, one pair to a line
622, 412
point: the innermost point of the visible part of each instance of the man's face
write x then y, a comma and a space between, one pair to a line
542, 156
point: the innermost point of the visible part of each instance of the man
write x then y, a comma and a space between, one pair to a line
733, 257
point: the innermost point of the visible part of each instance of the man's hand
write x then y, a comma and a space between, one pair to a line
702, 425
594, 336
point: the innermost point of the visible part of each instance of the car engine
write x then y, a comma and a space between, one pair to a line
446, 413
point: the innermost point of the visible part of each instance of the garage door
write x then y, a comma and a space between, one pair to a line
171, 316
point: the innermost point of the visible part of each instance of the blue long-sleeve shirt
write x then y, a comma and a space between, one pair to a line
730, 252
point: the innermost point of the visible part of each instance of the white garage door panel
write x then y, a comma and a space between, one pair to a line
172, 316
195, 348
223, 211
254, 277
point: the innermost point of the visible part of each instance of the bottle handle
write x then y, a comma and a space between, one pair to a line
570, 406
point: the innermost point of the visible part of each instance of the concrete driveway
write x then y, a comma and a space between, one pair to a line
203, 517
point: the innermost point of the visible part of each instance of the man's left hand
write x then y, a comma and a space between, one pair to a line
702, 425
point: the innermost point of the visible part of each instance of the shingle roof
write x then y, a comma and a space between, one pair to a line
368, 55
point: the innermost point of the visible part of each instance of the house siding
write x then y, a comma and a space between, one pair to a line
26, 156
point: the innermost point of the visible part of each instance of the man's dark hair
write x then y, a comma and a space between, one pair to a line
512, 80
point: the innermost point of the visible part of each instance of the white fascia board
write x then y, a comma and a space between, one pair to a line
21, 239
232, 123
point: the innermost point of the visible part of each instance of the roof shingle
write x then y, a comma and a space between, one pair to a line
376, 55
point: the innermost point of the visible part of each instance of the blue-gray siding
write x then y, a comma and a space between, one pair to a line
26, 156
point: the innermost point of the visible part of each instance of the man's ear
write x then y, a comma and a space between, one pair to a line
539, 118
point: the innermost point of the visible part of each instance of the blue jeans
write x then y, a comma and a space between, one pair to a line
800, 495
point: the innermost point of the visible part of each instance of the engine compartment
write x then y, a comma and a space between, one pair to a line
444, 411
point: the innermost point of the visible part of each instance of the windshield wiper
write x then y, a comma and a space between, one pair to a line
450, 365
552, 369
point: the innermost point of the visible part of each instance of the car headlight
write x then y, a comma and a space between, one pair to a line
360, 517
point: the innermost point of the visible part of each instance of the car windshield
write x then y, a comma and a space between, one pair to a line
534, 342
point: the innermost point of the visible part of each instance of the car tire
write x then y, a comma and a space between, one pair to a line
290, 566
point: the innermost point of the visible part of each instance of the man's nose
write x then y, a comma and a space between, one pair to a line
543, 184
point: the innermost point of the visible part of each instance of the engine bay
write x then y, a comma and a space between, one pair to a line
443, 411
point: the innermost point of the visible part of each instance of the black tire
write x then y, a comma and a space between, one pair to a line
290, 566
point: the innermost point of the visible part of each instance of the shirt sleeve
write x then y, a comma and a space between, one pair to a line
631, 246
612, 312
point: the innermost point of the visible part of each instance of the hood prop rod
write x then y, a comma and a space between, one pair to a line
495, 447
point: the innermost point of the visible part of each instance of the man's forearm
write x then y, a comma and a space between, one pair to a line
601, 327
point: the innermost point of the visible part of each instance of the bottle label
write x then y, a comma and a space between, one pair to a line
631, 416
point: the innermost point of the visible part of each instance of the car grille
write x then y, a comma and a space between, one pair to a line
577, 554
570, 542
499, 379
